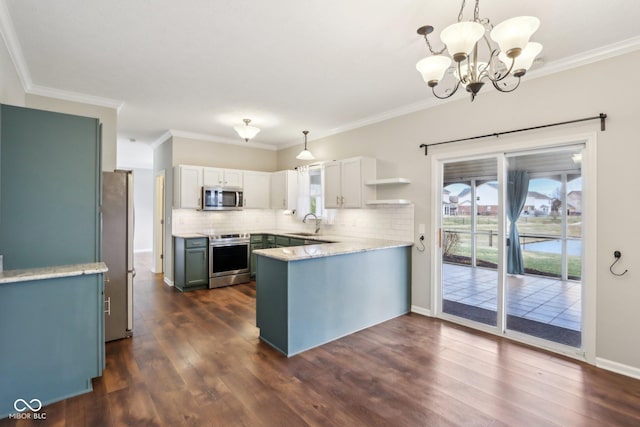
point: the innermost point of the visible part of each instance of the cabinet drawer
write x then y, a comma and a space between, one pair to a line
282, 241
199, 242
257, 238
271, 238
296, 242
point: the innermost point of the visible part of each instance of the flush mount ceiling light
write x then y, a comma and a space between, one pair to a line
305, 154
465, 41
246, 132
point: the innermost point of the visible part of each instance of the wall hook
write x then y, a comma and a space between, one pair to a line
617, 255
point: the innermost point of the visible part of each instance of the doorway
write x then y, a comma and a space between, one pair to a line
510, 248
158, 223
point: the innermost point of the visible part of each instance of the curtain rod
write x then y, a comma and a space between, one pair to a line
601, 117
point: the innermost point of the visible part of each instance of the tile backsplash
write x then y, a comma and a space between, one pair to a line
382, 222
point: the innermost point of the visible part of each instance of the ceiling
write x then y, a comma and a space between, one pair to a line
201, 66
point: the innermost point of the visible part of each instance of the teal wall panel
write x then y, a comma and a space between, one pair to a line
49, 188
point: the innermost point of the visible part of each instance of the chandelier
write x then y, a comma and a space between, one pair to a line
466, 41
246, 132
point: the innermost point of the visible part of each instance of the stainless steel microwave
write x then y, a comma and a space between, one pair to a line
221, 198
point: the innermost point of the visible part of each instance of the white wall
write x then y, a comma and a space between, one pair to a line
581, 92
143, 181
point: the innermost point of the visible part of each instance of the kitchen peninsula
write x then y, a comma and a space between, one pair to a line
309, 295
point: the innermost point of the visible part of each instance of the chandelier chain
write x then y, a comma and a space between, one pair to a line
462, 10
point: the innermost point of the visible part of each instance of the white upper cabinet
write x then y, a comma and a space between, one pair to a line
216, 177
332, 182
345, 183
187, 187
257, 190
284, 190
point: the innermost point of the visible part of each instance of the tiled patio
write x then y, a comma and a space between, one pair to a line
540, 299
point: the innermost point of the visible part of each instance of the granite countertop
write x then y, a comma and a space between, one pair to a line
189, 235
346, 245
56, 271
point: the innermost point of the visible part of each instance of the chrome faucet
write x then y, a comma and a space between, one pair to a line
304, 220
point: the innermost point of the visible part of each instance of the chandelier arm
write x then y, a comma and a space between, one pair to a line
497, 86
455, 89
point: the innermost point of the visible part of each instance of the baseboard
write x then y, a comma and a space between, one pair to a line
619, 368
421, 310
168, 281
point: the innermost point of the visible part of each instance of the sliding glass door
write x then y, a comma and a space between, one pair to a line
543, 293
511, 243
469, 240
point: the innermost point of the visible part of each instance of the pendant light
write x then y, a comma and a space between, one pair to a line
246, 132
305, 154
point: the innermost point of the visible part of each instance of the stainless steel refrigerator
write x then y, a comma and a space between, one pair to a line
117, 253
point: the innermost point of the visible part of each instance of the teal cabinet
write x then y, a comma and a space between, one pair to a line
52, 338
257, 242
190, 260
282, 241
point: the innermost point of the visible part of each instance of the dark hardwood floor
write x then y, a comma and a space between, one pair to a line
195, 359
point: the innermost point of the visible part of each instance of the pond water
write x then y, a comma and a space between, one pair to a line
574, 247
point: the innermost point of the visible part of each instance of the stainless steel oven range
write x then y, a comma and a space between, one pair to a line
228, 259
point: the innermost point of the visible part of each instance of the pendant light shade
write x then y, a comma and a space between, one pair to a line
246, 132
525, 59
461, 37
513, 34
305, 154
433, 68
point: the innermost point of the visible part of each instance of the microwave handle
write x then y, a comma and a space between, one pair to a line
238, 205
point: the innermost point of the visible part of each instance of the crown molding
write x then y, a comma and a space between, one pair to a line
585, 58
161, 140
75, 97
13, 46
221, 139
15, 52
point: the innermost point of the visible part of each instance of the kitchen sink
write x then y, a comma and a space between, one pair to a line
302, 234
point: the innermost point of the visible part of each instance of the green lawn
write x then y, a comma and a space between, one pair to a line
535, 262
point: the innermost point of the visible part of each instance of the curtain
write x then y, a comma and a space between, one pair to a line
517, 189
304, 202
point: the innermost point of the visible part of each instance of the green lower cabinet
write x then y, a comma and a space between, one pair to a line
191, 267
254, 246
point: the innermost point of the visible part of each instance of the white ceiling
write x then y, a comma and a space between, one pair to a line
201, 66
